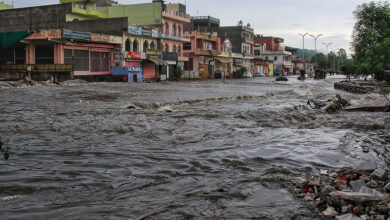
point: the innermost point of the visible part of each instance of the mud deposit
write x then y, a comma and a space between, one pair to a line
197, 150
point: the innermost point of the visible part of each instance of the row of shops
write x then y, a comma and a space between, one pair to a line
92, 54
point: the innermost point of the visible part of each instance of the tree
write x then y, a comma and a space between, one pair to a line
321, 61
370, 32
342, 54
349, 68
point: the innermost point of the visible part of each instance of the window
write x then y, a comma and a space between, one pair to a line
152, 46
179, 31
13, 55
257, 52
166, 48
80, 59
167, 28
187, 46
127, 45
266, 58
174, 30
100, 62
179, 51
275, 58
44, 54
146, 46
174, 49
135, 46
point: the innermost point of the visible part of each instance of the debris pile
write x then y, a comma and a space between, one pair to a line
361, 193
331, 105
353, 87
281, 78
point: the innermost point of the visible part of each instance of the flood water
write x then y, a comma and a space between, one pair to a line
191, 150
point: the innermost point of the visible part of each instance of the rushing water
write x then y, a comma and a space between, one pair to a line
186, 150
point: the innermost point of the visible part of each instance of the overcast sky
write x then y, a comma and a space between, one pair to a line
280, 18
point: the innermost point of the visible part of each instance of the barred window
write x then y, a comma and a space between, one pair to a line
81, 59
100, 61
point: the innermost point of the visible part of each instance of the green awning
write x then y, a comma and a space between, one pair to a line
7, 39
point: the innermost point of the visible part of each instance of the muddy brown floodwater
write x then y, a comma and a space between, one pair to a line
196, 150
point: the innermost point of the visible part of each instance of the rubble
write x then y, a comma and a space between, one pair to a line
378, 174
347, 217
281, 78
348, 193
330, 212
353, 87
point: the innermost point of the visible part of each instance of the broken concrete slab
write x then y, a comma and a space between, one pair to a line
366, 166
379, 174
348, 217
354, 196
356, 185
370, 191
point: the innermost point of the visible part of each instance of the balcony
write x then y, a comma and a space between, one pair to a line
205, 36
202, 52
175, 16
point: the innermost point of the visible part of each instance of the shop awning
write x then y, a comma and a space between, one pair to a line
223, 60
7, 39
158, 62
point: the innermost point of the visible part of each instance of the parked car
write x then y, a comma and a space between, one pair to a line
258, 75
247, 75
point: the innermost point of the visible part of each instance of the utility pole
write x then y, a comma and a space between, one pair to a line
315, 46
327, 45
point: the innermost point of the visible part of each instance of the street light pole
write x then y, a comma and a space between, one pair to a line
303, 45
327, 45
315, 46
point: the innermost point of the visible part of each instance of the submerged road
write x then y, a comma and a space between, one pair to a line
176, 150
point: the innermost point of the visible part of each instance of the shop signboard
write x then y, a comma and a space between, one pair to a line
156, 34
76, 35
136, 55
135, 30
171, 37
153, 54
146, 32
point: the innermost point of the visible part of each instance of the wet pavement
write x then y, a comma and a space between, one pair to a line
177, 150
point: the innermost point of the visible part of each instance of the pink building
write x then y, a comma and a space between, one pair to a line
89, 53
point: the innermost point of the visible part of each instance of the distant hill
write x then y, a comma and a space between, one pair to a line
308, 53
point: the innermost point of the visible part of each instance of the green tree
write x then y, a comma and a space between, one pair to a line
349, 68
342, 54
370, 32
321, 61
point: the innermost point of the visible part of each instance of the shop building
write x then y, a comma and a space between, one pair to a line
203, 52
240, 36
275, 52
